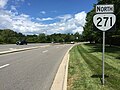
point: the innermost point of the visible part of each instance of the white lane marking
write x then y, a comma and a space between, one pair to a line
57, 47
4, 66
45, 51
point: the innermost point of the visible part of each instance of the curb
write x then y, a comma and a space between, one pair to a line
23, 49
60, 80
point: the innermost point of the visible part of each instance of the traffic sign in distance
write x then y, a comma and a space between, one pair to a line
104, 21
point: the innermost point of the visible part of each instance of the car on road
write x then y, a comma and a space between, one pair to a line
72, 42
22, 42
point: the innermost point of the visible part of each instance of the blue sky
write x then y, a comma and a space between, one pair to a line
44, 16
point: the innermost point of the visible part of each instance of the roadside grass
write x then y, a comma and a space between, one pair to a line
85, 68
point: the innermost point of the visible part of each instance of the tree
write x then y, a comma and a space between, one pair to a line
32, 38
91, 34
42, 38
88, 33
8, 36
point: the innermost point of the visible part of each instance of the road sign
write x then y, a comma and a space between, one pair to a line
105, 8
104, 21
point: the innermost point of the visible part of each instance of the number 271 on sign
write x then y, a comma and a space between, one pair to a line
104, 21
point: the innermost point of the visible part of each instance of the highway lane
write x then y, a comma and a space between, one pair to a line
8, 47
31, 70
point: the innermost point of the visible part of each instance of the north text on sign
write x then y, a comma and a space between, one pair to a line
104, 8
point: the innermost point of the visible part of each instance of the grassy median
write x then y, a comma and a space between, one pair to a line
85, 68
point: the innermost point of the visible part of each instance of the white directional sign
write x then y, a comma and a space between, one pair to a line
105, 8
104, 21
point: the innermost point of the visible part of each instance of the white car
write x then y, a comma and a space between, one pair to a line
72, 42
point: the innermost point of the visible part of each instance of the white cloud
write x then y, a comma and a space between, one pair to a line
27, 25
81, 18
43, 12
24, 23
65, 17
69, 24
13, 8
3, 3
44, 19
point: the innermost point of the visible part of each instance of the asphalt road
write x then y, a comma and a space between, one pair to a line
31, 70
8, 47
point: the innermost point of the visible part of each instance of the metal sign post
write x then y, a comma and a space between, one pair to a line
104, 20
103, 67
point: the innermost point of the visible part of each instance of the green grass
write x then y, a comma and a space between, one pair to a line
85, 68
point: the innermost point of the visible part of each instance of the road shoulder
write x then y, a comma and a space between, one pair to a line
60, 80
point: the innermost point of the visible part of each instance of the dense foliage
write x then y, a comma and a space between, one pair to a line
112, 36
10, 36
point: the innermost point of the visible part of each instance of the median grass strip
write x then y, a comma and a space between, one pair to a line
85, 68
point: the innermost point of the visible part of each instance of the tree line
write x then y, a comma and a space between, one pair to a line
8, 36
92, 34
